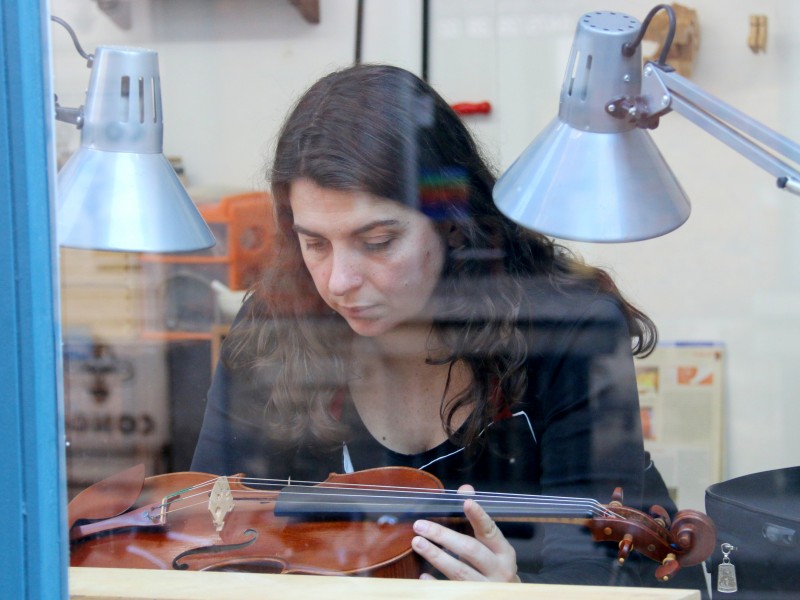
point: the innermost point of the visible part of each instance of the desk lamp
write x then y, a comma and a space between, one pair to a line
594, 174
119, 191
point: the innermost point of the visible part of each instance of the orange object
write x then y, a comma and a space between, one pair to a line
472, 108
243, 227
179, 301
250, 230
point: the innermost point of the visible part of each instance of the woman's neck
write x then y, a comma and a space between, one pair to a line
399, 395
402, 347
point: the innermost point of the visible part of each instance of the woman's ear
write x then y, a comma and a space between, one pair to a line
455, 238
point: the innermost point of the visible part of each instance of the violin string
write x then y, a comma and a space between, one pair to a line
280, 484
369, 486
526, 510
485, 498
437, 494
389, 503
488, 502
529, 509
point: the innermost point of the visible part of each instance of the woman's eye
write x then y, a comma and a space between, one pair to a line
314, 245
378, 244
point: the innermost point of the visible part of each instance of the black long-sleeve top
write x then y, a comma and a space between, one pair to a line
576, 434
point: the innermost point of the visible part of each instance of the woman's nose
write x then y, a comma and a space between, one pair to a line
345, 273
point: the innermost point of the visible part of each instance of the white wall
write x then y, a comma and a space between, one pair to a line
231, 68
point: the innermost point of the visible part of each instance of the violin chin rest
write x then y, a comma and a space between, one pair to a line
107, 498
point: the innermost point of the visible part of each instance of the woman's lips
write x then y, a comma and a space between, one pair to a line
356, 312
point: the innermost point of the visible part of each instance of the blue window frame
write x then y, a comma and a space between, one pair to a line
31, 420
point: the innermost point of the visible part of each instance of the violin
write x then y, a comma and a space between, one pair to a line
354, 524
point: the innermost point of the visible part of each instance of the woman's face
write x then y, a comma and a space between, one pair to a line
374, 261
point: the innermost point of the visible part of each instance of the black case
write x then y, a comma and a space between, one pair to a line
759, 514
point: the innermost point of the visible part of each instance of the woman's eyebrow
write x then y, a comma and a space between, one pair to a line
358, 231
374, 224
302, 230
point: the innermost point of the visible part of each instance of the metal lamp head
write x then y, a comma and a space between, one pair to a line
589, 176
118, 191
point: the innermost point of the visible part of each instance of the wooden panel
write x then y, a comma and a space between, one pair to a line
128, 584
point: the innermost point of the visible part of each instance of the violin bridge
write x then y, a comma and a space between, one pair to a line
220, 502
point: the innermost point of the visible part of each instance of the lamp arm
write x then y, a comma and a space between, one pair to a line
69, 115
724, 122
89, 57
64, 113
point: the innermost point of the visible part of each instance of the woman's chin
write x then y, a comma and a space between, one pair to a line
368, 327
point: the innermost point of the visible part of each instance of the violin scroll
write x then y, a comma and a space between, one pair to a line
687, 541
695, 534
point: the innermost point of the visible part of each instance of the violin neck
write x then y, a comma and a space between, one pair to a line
319, 502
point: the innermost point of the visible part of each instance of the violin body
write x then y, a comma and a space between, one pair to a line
252, 538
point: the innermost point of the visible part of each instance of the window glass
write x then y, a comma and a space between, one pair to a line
367, 305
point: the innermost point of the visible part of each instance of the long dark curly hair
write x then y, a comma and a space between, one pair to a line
380, 129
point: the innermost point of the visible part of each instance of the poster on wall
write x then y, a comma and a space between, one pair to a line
681, 393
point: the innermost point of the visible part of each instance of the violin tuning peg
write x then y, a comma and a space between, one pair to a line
616, 497
660, 515
625, 548
685, 538
668, 568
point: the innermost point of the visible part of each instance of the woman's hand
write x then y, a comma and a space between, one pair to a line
486, 557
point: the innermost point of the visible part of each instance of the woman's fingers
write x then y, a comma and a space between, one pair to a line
487, 556
431, 545
488, 534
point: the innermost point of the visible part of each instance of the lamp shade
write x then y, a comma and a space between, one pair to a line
590, 176
118, 191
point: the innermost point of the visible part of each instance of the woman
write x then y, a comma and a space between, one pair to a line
405, 321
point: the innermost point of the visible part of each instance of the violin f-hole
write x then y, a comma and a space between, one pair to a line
216, 549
